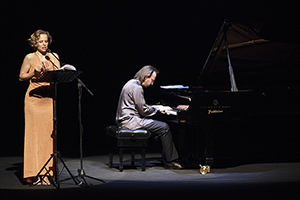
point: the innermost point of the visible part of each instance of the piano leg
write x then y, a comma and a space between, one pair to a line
189, 142
209, 147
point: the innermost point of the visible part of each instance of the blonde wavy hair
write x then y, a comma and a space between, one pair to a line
34, 38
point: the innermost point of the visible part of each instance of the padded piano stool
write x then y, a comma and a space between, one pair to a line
125, 139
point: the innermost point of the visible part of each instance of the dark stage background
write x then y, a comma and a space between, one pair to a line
110, 40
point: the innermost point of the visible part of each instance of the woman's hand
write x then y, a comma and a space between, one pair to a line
41, 68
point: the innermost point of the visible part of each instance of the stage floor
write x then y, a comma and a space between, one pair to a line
232, 181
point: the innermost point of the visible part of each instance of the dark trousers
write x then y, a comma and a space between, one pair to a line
162, 130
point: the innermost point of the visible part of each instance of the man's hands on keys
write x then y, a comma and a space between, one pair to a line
183, 107
162, 108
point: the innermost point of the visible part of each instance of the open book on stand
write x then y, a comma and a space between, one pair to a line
66, 67
66, 73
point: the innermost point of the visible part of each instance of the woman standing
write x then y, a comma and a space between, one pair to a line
38, 107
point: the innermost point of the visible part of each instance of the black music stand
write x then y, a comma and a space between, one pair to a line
55, 77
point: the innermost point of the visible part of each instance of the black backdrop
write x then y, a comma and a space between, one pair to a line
109, 41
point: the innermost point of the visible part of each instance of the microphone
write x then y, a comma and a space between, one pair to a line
48, 58
49, 51
79, 81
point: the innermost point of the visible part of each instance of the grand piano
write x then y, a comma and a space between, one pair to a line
244, 75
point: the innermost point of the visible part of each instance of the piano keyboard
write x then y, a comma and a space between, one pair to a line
170, 110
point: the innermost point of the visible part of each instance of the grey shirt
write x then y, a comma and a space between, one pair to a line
132, 109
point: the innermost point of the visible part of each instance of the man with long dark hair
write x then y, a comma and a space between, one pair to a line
132, 113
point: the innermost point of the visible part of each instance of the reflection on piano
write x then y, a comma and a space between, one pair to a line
243, 75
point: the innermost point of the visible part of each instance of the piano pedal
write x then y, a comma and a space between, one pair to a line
204, 169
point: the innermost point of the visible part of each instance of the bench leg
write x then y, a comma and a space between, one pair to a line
143, 159
121, 160
132, 158
110, 163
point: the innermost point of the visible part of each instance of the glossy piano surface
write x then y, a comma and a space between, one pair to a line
265, 76
213, 106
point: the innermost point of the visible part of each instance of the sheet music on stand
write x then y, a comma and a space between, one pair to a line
62, 76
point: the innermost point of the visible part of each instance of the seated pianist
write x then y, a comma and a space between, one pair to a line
132, 113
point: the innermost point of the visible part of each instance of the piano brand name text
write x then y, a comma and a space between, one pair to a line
214, 111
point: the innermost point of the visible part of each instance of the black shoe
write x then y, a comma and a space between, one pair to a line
172, 165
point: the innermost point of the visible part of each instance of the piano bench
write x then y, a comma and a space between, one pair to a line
125, 139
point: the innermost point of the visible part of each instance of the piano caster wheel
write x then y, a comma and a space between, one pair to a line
204, 169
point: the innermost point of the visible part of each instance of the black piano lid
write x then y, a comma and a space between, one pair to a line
257, 62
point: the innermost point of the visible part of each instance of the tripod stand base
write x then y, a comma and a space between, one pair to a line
82, 175
54, 181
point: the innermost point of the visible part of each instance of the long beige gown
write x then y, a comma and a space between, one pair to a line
39, 138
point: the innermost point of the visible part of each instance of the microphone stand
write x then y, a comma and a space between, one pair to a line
81, 172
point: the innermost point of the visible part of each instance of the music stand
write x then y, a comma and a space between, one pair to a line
55, 77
